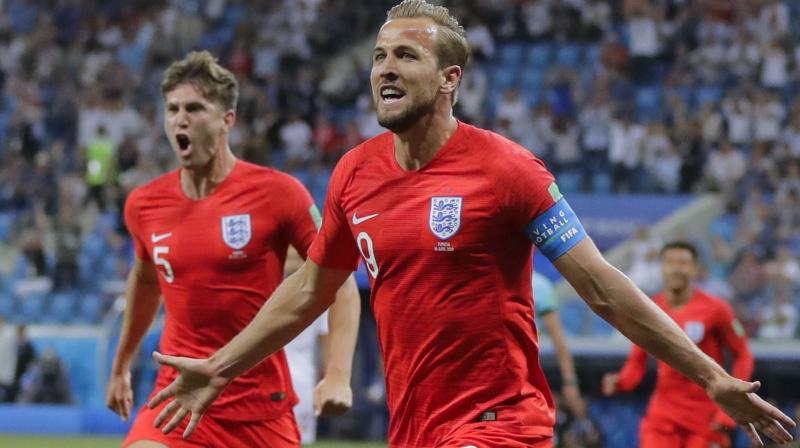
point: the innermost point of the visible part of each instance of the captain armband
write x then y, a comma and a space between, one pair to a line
556, 231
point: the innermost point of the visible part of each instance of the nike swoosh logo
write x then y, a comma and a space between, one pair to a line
357, 220
156, 238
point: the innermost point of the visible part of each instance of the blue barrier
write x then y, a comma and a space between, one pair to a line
60, 420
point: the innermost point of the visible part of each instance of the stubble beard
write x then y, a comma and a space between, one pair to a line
406, 118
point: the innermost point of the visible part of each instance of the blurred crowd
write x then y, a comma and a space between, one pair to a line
657, 96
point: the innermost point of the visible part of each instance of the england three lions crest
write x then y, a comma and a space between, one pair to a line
445, 218
236, 231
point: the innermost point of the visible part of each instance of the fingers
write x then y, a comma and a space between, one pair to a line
776, 432
162, 395
751, 432
125, 408
193, 422
333, 408
167, 360
166, 412
773, 413
176, 420
121, 405
753, 387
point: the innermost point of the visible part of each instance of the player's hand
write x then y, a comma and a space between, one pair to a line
610, 384
739, 400
573, 400
332, 396
119, 394
195, 388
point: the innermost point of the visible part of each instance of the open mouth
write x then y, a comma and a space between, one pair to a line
183, 142
391, 95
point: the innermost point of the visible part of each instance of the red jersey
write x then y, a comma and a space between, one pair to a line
450, 267
219, 258
709, 322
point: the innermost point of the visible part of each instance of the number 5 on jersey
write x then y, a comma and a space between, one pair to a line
158, 251
364, 241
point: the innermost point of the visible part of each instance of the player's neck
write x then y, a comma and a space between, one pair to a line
201, 182
417, 146
679, 298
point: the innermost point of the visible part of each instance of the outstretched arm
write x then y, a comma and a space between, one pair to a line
614, 297
300, 299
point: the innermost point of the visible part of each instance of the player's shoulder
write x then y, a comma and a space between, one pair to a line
713, 300
367, 149
265, 178
161, 186
365, 153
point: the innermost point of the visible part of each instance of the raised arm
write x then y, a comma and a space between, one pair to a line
614, 297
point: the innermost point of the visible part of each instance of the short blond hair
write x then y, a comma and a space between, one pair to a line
452, 47
201, 69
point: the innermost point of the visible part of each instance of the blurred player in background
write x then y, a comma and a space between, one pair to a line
211, 237
445, 215
305, 354
680, 414
546, 307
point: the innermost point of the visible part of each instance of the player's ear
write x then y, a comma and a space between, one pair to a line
451, 77
230, 120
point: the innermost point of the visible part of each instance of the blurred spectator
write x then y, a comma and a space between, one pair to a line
625, 153
479, 39
67, 236
512, 107
662, 161
472, 93
725, 167
8, 353
100, 154
566, 152
778, 319
748, 276
296, 136
46, 381
645, 268
26, 354
645, 27
739, 119
595, 127
768, 112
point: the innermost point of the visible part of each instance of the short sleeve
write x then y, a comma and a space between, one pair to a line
302, 216
335, 247
522, 188
132, 205
536, 207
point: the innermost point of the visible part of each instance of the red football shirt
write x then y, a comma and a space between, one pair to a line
450, 268
219, 259
709, 322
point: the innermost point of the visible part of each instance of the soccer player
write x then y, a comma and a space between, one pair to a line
444, 215
211, 238
546, 307
680, 414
